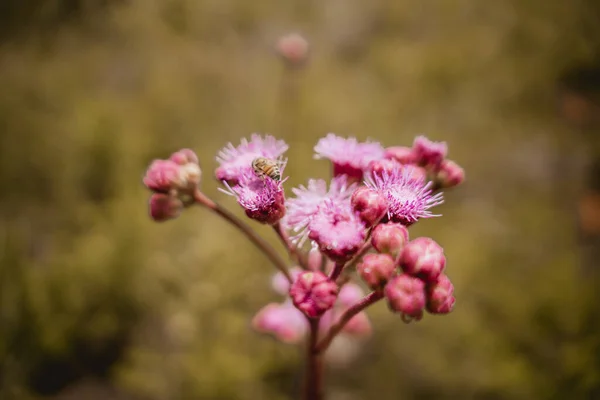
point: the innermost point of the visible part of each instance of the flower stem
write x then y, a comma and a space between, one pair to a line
258, 241
313, 383
337, 270
366, 301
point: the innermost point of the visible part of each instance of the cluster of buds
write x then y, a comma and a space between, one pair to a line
173, 182
359, 218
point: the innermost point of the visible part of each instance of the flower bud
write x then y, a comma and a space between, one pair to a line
313, 293
315, 259
184, 156
358, 326
279, 282
369, 204
427, 153
266, 212
379, 167
162, 176
404, 155
390, 239
293, 48
283, 321
424, 258
406, 294
450, 174
350, 294
440, 296
163, 207
376, 269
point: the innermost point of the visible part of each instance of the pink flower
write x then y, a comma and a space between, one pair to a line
424, 258
390, 239
440, 296
337, 230
427, 153
349, 157
234, 161
406, 294
279, 282
262, 199
163, 207
283, 321
376, 269
409, 198
450, 174
404, 155
162, 176
369, 204
313, 293
184, 156
350, 294
293, 48
302, 209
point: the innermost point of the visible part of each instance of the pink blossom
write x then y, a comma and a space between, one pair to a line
404, 155
234, 161
424, 258
376, 269
283, 321
350, 294
279, 282
427, 153
293, 48
337, 230
409, 198
440, 296
349, 156
302, 208
406, 294
369, 204
163, 207
262, 199
313, 293
450, 174
162, 176
390, 239
184, 156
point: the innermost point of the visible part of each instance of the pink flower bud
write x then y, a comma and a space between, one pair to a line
184, 156
359, 326
378, 167
163, 207
406, 294
293, 48
350, 294
424, 258
313, 293
376, 269
279, 282
315, 259
427, 153
450, 174
440, 296
404, 155
162, 176
369, 204
283, 321
390, 239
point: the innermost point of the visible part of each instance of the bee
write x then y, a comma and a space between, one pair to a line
266, 167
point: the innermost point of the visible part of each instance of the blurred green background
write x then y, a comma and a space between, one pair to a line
98, 302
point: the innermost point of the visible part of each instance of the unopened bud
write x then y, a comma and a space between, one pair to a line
369, 204
162, 176
350, 294
376, 269
440, 296
293, 48
184, 156
358, 326
313, 293
390, 239
450, 174
404, 155
427, 153
282, 321
424, 258
406, 294
385, 165
163, 207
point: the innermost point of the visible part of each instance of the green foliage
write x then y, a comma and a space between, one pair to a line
91, 287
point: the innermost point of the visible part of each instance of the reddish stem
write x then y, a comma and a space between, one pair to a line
313, 382
337, 270
346, 317
266, 248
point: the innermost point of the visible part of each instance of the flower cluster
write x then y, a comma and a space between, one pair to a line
173, 182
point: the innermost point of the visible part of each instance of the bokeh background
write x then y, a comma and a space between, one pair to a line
98, 302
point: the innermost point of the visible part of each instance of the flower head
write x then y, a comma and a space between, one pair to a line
302, 208
262, 199
370, 205
440, 296
389, 239
349, 157
406, 294
450, 174
376, 269
234, 161
427, 153
404, 155
424, 258
163, 207
162, 176
337, 230
293, 48
313, 293
409, 197
283, 321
